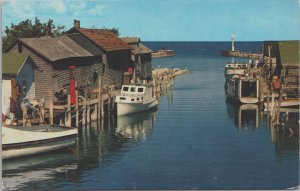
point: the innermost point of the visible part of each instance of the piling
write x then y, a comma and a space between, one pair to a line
51, 113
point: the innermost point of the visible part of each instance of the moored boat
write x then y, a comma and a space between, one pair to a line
162, 53
235, 69
242, 89
23, 141
136, 98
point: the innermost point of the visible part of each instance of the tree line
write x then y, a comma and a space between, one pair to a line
27, 29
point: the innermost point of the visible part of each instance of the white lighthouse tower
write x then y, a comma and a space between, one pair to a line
232, 42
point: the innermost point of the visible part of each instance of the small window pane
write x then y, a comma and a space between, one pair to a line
132, 89
125, 89
140, 89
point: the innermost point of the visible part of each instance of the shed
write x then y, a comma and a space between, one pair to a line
116, 53
54, 55
18, 80
140, 56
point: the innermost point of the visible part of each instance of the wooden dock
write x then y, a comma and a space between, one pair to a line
85, 111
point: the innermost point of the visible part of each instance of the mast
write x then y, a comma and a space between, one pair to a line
232, 42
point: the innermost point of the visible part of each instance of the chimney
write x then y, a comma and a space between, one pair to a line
77, 23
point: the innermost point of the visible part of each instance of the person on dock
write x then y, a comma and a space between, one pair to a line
276, 84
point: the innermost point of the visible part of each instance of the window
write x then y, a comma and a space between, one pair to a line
132, 99
132, 89
122, 98
140, 90
137, 99
125, 89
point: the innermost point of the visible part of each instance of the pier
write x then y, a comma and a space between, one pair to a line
236, 53
85, 111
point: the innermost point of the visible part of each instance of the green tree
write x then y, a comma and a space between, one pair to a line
113, 30
27, 29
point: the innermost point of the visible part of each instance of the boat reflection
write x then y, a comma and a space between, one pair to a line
285, 135
244, 115
105, 141
26, 172
136, 126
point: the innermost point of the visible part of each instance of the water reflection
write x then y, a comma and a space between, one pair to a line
245, 115
285, 135
28, 172
136, 126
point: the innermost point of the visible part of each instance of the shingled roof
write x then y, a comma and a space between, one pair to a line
131, 40
289, 52
103, 38
136, 46
56, 48
12, 63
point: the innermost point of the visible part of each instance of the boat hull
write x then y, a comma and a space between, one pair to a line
242, 90
129, 108
26, 143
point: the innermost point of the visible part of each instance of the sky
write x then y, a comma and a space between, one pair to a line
168, 20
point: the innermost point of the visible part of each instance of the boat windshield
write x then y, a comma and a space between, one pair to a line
140, 90
125, 89
132, 89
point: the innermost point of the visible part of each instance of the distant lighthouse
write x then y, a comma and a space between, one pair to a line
232, 42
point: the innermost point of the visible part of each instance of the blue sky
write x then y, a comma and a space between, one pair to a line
168, 20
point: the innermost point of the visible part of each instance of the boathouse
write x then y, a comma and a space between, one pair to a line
58, 59
286, 54
140, 57
116, 53
18, 81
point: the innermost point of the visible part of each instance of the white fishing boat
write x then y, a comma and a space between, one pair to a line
242, 89
235, 69
136, 98
23, 141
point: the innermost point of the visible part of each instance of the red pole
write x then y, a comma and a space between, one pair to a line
72, 85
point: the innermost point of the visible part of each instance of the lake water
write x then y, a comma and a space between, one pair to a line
194, 140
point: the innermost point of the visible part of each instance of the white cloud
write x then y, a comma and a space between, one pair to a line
97, 10
56, 5
85, 8
19, 9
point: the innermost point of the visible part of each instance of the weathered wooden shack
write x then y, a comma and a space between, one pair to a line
116, 53
18, 81
286, 54
53, 56
140, 57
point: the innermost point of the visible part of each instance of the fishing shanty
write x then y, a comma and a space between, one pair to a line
77, 75
272, 82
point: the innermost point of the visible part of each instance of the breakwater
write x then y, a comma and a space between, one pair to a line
230, 53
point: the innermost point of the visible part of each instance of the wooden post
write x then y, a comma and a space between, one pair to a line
268, 100
77, 109
108, 107
69, 122
51, 113
84, 112
88, 120
102, 106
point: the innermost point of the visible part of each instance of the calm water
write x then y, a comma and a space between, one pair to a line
194, 140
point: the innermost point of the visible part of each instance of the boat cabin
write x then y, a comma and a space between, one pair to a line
136, 90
